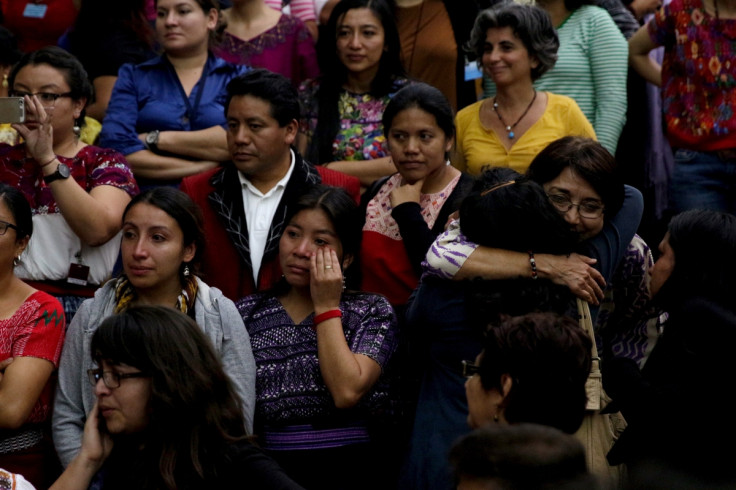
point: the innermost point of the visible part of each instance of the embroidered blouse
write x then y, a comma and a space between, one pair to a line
286, 48
36, 329
698, 75
360, 136
289, 385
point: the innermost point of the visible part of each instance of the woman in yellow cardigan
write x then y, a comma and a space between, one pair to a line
515, 44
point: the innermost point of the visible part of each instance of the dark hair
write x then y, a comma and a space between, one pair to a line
182, 209
194, 410
206, 6
588, 159
573, 5
508, 211
339, 207
19, 207
97, 18
522, 456
69, 66
334, 73
425, 97
704, 245
516, 216
9, 52
548, 358
271, 87
531, 24
344, 215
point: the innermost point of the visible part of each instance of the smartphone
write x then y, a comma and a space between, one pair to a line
12, 110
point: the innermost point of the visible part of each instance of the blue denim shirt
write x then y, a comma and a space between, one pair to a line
149, 96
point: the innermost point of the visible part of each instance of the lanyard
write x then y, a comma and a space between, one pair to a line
191, 112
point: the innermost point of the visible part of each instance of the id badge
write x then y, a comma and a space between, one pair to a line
78, 274
472, 72
35, 10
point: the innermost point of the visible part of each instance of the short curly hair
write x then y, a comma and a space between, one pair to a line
531, 24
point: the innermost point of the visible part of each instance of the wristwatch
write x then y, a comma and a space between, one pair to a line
152, 139
62, 172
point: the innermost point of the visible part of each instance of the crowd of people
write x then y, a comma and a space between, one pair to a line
365, 244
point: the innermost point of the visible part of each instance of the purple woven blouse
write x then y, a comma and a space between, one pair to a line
289, 385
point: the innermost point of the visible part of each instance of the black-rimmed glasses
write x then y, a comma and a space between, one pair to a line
470, 369
46, 98
586, 209
111, 378
4, 225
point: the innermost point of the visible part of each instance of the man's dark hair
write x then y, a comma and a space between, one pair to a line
271, 87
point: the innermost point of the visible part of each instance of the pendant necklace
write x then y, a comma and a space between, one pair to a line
510, 129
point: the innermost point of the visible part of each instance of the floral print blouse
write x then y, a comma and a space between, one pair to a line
360, 136
698, 75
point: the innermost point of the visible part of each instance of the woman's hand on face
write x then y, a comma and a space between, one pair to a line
37, 131
326, 281
406, 192
576, 272
96, 442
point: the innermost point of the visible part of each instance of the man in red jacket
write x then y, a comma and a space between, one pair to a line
245, 201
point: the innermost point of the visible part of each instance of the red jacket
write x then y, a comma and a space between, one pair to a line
226, 259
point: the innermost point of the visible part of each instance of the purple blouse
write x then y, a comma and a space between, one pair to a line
287, 48
289, 385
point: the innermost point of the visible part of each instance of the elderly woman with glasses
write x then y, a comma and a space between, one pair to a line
580, 182
77, 191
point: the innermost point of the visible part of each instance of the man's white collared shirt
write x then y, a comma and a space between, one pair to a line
259, 211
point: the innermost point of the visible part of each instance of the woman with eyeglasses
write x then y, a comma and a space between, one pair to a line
581, 180
588, 194
32, 331
532, 369
448, 319
161, 248
166, 414
77, 191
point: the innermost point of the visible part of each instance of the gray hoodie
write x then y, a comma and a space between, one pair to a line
220, 321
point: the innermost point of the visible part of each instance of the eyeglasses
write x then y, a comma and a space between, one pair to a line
111, 378
586, 209
46, 98
470, 369
4, 225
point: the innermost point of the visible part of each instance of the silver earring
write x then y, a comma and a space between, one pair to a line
77, 130
343, 283
186, 270
16, 261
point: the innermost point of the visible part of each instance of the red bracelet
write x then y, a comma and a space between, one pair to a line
336, 313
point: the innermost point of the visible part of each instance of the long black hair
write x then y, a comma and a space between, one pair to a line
334, 73
704, 245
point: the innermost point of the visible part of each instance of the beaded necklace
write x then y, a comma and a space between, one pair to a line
510, 129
